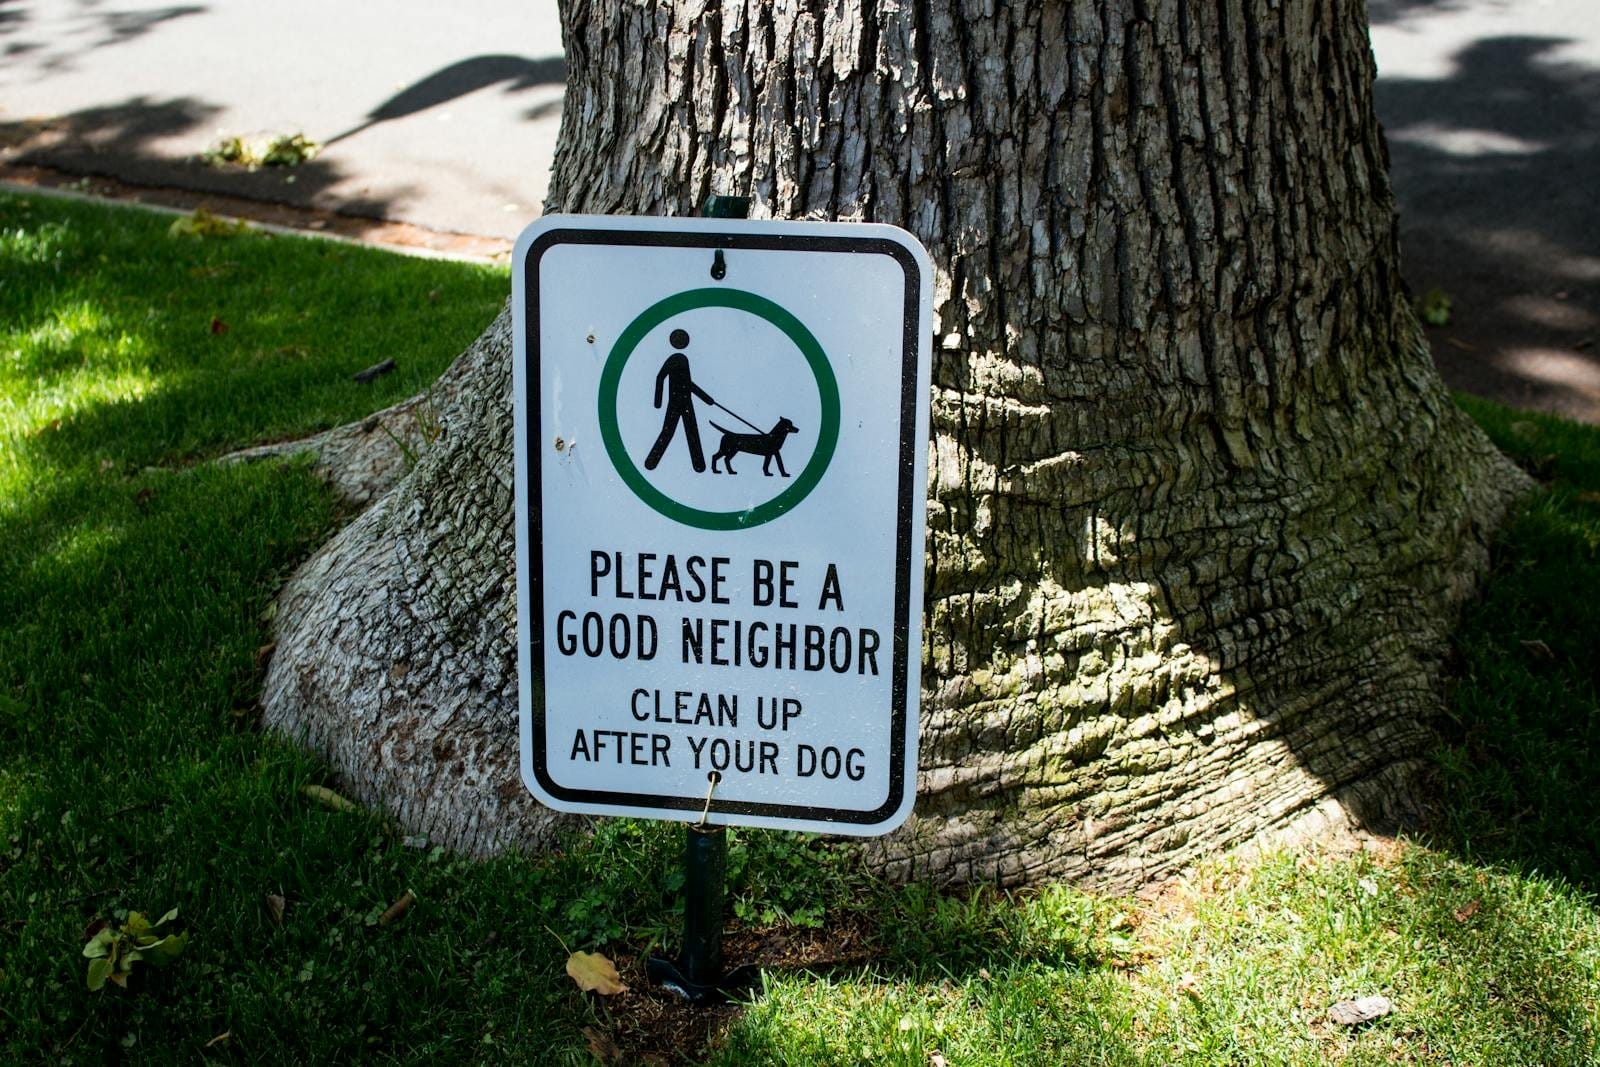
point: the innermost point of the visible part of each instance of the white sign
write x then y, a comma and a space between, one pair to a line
721, 451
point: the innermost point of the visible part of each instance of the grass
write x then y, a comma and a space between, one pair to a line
1522, 785
132, 592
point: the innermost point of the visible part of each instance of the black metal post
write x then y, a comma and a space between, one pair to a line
698, 976
705, 868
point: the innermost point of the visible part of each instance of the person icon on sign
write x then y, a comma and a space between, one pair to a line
681, 391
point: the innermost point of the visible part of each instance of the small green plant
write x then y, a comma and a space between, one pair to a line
202, 223
113, 951
425, 428
280, 150
779, 878
1433, 307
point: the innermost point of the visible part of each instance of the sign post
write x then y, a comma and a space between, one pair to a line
721, 456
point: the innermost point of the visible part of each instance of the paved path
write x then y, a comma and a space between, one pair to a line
441, 114
444, 115
1492, 109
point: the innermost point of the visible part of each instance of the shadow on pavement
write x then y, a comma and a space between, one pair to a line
131, 141
104, 28
1494, 169
120, 26
10, 16
1381, 12
116, 142
459, 79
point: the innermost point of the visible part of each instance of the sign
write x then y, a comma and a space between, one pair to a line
721, 454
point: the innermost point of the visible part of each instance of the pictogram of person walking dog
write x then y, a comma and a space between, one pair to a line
680, 389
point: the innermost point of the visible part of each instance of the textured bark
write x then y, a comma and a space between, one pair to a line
363, 460
1201, 513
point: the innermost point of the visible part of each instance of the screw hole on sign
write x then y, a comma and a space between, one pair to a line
719, 266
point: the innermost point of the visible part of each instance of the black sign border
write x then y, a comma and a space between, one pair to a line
909, 398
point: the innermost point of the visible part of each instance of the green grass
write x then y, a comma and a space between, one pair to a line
1237, 965
1522, 786
132, 777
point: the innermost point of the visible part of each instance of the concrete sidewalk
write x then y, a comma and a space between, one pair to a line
444, 117
1492, 110
439, 115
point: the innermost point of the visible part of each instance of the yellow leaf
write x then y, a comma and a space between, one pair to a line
593, 971
327, 798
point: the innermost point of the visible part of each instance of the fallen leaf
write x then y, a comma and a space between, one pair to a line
434, 295
1468, 910
398, 909
1538, 650
601, 1047
593, 972
327, 798
220, 1038
275, 906
1362, 1010
264, 655
936, 1059
1368, 886
218, 326
1190, 984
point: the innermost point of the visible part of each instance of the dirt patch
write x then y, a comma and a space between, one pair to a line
650, 1025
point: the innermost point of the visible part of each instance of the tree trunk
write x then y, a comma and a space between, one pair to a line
1201, 512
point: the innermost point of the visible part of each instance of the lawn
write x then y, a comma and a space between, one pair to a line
133, 596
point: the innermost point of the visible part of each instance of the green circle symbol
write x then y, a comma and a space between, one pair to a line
791, 327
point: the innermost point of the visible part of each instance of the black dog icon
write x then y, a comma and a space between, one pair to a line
768, 445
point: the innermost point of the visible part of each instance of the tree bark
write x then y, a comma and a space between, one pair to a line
1202, 514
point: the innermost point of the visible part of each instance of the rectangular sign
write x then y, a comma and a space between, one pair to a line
721, 455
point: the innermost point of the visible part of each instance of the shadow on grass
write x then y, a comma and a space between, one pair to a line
1521, 786
1237, 965
254, 336
922, 934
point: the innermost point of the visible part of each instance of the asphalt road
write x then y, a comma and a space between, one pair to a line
445, 116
